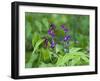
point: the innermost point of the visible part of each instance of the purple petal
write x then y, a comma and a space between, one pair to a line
63, 27
52, 44
66, 38
50, 32
53, 35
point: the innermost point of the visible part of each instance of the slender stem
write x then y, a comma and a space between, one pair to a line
66, 46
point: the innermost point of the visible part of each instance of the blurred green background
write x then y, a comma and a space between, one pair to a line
36, 27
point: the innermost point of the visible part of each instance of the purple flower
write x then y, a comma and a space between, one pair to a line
51, 32
52, 44
66, 38
65, 29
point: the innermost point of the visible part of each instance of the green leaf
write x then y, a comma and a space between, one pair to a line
33, 57
72, 50
35, 38
38, 43
58, 48
28, 30
72, 58
85, 59
67, 58
39, 25
75, 61
82, 54
45, 22
78, 56
46, 55
59, 61
64, 59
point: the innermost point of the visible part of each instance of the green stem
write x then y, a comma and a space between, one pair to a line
66, 47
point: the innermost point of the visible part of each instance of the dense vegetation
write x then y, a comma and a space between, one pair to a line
53, 40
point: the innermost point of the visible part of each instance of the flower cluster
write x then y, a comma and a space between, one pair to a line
65, 29
51, 32
67, 38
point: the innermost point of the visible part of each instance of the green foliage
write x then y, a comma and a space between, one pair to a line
35, 38
45, 55
58, 48
33, 58
72, 58
37, 45
38, 25
36, 28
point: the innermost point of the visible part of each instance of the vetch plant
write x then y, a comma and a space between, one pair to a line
66, 43
50, 42
66, 39
51, 32
65, 29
